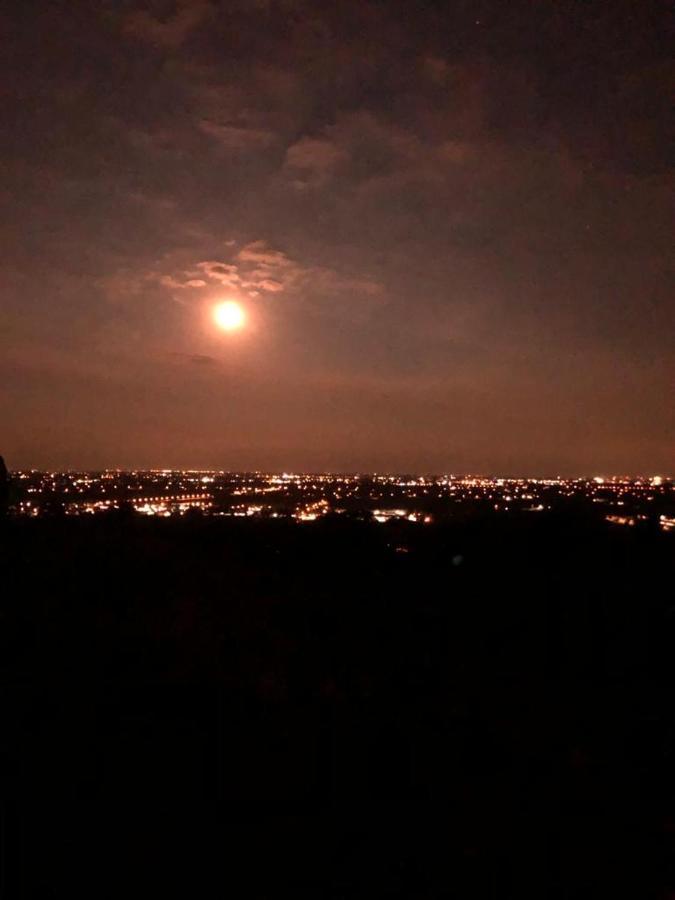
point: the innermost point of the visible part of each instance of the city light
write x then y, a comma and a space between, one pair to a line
309, 497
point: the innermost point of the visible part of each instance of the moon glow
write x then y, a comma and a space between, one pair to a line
229, 316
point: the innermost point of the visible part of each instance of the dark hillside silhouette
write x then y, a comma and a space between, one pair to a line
261, 709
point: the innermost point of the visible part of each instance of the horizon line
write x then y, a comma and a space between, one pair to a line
350, 473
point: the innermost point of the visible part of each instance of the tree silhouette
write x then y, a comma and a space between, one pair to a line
4, 487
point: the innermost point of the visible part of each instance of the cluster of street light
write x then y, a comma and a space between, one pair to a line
311, 496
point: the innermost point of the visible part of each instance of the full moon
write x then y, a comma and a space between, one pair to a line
229, 316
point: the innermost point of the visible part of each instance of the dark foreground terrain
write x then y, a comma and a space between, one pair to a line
337, 710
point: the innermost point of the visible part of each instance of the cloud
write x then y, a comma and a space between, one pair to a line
259, 269
302, 280
312, 161
327, 281
259, 253
224, 273
171, 282
269, 284
236, 138
172, 32
373, 142
122, 286
454, 151
436, 69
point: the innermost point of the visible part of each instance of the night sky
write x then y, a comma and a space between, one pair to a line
450, 226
